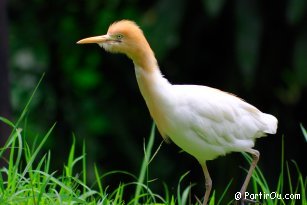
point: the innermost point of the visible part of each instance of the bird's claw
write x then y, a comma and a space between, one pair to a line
198, 200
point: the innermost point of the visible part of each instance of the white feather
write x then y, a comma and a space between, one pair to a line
203, 121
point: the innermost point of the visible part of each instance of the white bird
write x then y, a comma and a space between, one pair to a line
203, 121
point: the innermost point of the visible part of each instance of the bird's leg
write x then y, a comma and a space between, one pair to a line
255, 155
208, 183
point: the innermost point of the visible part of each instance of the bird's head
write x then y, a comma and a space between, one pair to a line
122, 37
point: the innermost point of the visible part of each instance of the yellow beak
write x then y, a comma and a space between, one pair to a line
95, 39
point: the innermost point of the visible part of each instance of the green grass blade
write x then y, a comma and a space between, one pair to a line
26, 108
185, 194
69, 167
224, 192
47, 164
289, 178
15, 126
57, 182
166, 192
32, 158
179, 198
212, 199
146, 159
6, 121
304, 131
43, 187
84, 173
119, 194
280, 184
98, 181
301, 184
14, 163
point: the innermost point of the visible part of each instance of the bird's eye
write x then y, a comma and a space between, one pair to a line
119, 36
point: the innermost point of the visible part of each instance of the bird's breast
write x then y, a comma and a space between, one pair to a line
159, 96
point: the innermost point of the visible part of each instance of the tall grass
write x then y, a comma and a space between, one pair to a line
289, 190
28, 178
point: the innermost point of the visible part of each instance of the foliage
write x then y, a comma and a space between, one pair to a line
28, 179
281, 194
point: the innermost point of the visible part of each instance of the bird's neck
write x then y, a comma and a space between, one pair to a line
147, 72
155, 89
144, 58
153, 86
150, 79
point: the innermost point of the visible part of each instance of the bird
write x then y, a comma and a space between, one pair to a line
203, 121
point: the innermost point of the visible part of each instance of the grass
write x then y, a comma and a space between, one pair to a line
288, 191
28, 178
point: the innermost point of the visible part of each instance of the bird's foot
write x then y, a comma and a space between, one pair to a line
245, 201
199, 201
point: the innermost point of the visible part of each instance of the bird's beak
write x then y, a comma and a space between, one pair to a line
95, 39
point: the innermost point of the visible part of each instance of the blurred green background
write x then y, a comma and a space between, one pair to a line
256, 49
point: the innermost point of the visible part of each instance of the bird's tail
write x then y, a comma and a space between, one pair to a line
270, 123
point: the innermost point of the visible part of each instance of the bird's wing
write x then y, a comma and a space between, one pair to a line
221, 118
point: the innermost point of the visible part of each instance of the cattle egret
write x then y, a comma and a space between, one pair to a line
203, 121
